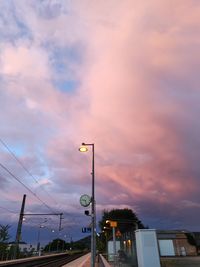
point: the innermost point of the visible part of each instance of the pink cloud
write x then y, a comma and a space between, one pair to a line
135, 86
24, 60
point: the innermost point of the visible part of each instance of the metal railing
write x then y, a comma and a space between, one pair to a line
103, 262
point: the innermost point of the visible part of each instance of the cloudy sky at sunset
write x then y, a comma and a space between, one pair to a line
123, 75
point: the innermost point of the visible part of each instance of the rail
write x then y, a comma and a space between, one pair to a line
43, 261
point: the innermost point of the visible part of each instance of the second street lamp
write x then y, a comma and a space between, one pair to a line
84, 148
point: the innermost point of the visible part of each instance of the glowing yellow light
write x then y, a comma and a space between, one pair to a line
83, 149
112, 223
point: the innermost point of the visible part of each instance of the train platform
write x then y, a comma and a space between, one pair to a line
83, 261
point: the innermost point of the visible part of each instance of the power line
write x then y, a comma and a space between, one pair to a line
24, 167
27, 188
10, 211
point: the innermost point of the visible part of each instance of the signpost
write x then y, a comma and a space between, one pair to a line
113, 224
86, 230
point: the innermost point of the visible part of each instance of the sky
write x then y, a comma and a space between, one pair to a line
123, 75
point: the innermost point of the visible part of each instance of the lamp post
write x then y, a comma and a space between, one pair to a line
38, 237
84, 148
50, 242
38, 240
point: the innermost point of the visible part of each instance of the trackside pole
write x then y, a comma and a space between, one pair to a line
19, 227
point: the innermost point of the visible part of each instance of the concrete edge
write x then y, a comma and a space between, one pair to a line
105, 263
86, 259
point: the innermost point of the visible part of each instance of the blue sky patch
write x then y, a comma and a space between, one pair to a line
67, 86
62, 57
64, 61
18, 150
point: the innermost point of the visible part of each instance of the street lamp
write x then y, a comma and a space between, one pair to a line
51, 239
38, 238
84, 148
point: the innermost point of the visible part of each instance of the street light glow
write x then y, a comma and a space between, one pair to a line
83, 149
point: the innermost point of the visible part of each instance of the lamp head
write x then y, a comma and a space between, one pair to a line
83, 148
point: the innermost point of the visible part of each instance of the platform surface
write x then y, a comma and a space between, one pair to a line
83, 261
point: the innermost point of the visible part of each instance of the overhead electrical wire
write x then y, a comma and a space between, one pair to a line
10, 211
27, 188
24, 167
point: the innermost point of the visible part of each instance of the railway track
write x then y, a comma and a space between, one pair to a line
52, 261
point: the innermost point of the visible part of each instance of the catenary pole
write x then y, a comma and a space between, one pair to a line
19, 227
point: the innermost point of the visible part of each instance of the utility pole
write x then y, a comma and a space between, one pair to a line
60, 224
19, 227
59, 230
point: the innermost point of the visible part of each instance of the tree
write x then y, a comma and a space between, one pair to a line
56, 245
83, 244
127, 221
4, 237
